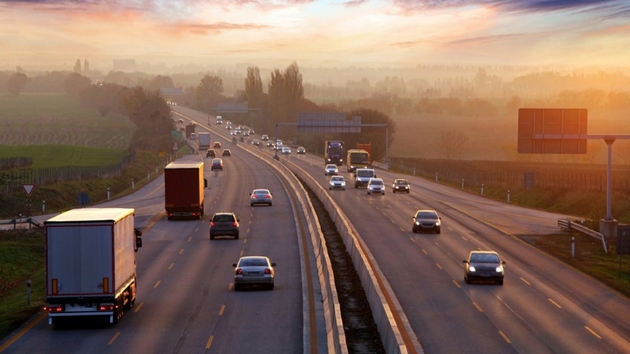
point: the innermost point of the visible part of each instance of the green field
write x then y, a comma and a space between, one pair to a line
40, 119
63, 155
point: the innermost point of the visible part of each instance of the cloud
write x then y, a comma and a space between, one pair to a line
215, 28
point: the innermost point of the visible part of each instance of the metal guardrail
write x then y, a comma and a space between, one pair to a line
29, 221
569, 225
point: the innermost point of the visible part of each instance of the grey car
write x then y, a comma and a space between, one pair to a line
376, 185
224, 224
484, 266
427, 220
331, 169
260, 196
254, 270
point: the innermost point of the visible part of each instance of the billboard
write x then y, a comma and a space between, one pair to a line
327, 123
552, 130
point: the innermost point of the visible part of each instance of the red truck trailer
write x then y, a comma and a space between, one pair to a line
184, 187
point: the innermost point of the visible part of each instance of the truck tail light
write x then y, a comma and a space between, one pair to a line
54, 285
54, 308
106, 307
106, 285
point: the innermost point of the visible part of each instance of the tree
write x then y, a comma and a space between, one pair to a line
208, 92
253, 88
16, 83
161, 81
276, 97
293, 91
75, 84
452, 143
374, 135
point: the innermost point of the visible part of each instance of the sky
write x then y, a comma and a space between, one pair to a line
327, 33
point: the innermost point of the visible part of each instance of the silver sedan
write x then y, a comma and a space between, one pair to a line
254, 270
260, 196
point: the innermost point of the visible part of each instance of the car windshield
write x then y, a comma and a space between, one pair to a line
401, 182
484, 258
365, 173
223, 218
261, 192
337, 179
426, 215
376, 182
254, 262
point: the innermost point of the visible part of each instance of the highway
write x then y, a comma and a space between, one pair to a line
544, 306
186, 303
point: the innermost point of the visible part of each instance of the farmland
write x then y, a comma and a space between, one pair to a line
42, 119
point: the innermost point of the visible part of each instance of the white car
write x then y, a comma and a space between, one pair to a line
337, 182
286, 150
376, 185
331, 169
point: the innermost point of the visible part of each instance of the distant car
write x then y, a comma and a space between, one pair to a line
286, 150
264, 137
337, 182
331, 169
224, 224
401, 185
217, 164
301, 150
484, 266
217, 145
254, 270
211, 153
260, 196
226, 152
255, 142
426, 220
376, 185
269, 144
219, 120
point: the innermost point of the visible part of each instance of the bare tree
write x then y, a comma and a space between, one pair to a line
452, 143
253, 87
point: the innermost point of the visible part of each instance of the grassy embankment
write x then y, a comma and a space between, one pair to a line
55, 131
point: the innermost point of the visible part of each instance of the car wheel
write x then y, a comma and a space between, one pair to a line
237, 287
270, 286
343, 189
211, 236
270, 204
437, 231
329, 188
236, 236
500, 282
466, 280
251, 204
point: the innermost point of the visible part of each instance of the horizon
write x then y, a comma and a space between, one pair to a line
169, 35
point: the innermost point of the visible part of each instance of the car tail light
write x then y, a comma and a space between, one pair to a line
55, 308
234, 224
267, 271
239, 271
211, 223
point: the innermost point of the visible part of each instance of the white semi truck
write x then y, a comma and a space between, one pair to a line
91, 265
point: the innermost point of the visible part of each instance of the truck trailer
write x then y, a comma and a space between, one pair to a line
184, 186
91, 265
204, 141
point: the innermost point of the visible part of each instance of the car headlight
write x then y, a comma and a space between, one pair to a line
471, 269
418, 223
437, 223
499, 269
